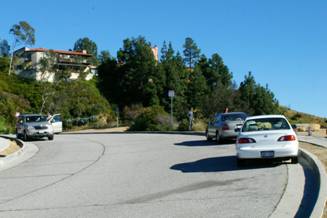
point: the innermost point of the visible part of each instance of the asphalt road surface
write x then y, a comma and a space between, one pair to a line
138, 175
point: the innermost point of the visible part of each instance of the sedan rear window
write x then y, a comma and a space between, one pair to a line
233, 117
265, 124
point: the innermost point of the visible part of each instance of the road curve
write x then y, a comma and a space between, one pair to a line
138, 175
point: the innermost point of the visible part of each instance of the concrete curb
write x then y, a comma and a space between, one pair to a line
27, 151
321, 178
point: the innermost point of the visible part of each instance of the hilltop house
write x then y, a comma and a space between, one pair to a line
75, 63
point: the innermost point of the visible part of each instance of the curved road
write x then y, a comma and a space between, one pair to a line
138, 175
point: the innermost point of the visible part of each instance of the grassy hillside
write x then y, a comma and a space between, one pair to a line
73, 99
300, 117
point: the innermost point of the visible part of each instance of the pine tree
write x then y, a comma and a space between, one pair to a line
191, 53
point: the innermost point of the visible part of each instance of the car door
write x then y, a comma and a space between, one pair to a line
56, 123
214, 125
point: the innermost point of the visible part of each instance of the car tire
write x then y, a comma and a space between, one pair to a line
25, 136
218, 139
294, 160
209, 139
240, 162
50, 137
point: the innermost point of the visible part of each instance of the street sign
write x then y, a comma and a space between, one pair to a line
171, 93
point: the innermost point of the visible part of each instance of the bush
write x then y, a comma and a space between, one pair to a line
199, 125
3, 126
152, 119
132, 112
183, 125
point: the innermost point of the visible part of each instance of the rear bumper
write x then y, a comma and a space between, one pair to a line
255, 153
228, 134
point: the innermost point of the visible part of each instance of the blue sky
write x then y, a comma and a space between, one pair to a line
283, 42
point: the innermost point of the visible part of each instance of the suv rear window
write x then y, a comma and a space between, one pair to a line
265, 124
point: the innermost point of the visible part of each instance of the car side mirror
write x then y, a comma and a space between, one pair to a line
294, 126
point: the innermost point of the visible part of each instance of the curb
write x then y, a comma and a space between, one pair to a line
26, 151
320, 176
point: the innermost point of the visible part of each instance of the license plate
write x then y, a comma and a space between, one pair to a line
267, 154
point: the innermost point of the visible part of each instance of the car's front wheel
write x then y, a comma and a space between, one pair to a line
218, 139
209, 138
25, 136
50, 137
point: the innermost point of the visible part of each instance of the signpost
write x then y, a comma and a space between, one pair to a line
171, 95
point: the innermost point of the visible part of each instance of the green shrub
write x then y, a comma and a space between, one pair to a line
183, 125
3, 126
152, 119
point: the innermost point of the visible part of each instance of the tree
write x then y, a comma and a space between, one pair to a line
87, 45
4, 48
191, 52
196, 88
23, 33
220, 71
104, 56
255, 99
140, 80
173, 70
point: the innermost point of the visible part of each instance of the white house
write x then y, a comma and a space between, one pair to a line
75, 63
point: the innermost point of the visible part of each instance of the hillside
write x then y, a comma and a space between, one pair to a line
72, 99
296, 117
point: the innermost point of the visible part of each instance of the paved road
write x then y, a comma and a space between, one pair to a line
138, 175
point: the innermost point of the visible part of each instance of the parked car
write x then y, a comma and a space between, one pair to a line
56, 122
33, 126
267, 136
223, 126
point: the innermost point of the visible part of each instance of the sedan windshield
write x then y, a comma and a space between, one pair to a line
265, 124
32, 119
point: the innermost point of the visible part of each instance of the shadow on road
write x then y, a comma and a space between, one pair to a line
199, 143
221, 164
195, 143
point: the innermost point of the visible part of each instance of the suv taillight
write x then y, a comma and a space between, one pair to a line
245, 140
287, 138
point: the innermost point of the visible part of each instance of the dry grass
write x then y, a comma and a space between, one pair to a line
320, 133
321, 153
13, 147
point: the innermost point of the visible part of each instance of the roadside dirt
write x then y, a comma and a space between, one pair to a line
118, 129
321, 153
321, 133
13, 147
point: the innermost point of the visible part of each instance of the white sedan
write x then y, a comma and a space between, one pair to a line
267, 137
